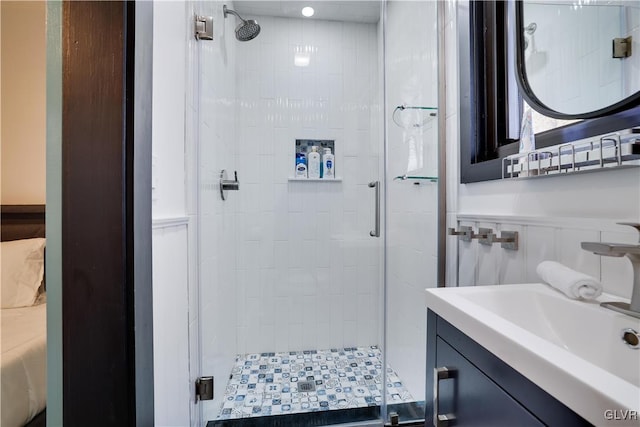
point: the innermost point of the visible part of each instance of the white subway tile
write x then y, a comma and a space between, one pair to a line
280, 244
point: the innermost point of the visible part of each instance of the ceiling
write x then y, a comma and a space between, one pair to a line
351, 11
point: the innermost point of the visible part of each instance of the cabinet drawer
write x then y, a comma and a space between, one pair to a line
474, 398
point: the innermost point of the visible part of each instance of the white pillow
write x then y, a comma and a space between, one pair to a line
22, 270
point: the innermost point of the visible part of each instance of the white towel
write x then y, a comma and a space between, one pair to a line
572, 283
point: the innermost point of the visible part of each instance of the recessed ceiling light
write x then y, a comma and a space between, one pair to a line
302, 59
308, 11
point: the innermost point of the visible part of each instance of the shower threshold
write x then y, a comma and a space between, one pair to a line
299, 382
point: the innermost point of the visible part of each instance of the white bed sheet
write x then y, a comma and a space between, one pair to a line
23, 363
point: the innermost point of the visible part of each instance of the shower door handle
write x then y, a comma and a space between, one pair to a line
376, 186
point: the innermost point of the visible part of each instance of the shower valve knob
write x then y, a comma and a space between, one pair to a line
227, 184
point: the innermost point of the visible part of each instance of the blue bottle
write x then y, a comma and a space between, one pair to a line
301, 165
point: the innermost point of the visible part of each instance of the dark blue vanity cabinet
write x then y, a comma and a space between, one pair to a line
481, 389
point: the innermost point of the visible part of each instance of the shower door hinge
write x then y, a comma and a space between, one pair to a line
204, 388
204, 27
622, 47
393, 418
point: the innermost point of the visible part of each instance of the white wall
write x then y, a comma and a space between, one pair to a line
553, 214
23, 107
173, 390
307, 271
411, 76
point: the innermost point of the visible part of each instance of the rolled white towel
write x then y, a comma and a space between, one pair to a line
572, 283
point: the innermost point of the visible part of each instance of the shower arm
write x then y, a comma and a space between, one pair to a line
232, 12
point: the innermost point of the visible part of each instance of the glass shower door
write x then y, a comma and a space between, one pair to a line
311, 288
291, 283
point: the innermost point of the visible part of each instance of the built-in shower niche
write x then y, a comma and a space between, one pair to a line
304, 146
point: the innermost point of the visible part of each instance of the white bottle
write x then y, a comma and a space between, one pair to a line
314, 163
328, 164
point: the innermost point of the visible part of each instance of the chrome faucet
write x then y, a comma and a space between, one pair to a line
632, 252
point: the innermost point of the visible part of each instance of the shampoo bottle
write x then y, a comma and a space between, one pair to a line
314, 162
328, 164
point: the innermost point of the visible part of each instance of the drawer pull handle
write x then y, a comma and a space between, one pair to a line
442, 373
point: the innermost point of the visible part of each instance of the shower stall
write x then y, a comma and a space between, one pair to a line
310, 288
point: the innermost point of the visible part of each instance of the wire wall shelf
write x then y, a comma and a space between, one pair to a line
413, 117
617, 150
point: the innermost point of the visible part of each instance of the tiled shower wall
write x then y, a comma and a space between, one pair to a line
570, 42
306, 270
632, 63
411, 76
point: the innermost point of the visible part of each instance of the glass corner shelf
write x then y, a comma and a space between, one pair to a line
416, 179
413, 117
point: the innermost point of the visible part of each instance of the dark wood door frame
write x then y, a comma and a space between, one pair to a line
107, 317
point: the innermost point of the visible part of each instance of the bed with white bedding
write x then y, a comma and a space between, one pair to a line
24, 362
23, 345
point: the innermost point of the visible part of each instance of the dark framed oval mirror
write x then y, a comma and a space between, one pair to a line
578, 60
493, 85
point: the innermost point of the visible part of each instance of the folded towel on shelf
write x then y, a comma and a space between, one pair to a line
572, 283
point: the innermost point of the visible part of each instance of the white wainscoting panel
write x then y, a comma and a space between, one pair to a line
510, 263
172, 391
467, 258
487, 257
555, 239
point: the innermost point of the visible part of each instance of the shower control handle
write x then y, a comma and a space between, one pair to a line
226, 184
376, 186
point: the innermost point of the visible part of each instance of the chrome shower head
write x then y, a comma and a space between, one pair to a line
247, 29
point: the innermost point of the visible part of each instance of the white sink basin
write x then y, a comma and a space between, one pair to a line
582, 328
572, 349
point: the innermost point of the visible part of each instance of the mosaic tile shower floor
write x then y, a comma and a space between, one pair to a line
264, 384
